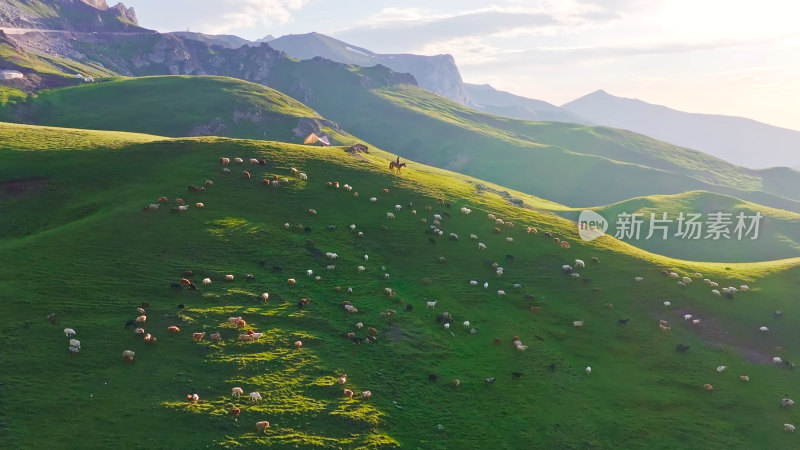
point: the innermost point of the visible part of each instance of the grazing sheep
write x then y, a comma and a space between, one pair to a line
686, 280
74, 343
192, 398
366, 395
206, 280
744, 378
577, 323
234, 320
456, 383
373, 199
501, 293
348, 393
291, 281
588, 370
638, 279
304, 177
74, 350
720, 369
788, 427
481, 246
687, 317
579, 264
446, 326
142, 319
490, 380
575, 275
786, 402
716, 292
139, 331
69, 332
473, 282
342, 379
198, 336
226, 170
764, 329
708, 387
173, 329
466, 324
777, 361
229, 277
744, 288
255, 397
431, 304
127, 355
330, 267
298, 344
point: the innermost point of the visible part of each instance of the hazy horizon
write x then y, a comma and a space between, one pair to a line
712, 57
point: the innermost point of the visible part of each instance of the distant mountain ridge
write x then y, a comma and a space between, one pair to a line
484, 97
438, 73
741, 141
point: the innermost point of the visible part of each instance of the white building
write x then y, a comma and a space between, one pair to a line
10, 74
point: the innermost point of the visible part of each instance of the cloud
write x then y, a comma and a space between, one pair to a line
223, 16
420, 27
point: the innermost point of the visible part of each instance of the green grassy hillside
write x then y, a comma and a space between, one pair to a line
778, 231
527, 156
171, 106
75, 242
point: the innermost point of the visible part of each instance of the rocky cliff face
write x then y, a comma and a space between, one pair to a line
68, 15
438, 74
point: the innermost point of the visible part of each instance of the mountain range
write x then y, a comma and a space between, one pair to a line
741, 141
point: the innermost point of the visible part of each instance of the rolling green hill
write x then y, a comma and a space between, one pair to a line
778, 233
75, 242
572, 164
174, 106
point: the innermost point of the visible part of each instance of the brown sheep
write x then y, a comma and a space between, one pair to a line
246, 174
198, 336
298, 344
564, 244
348, 393
173, 329
456, 383
372, 331
556, 241
262, 426
235, 411
214, 337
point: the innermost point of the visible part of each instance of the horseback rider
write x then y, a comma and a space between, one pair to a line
398, 160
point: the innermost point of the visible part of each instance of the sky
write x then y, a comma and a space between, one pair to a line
733, 57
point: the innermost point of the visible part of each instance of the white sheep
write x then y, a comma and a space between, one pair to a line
437, 217
577, 323
206, 280
579, 264
638, 279
466, 324
501, 293
303, 176
481, 246
788, 427
517, 286
764, 329
330, 267
309, 272
667, 304
388, 291
389, 215
686, 280
265, 296
486, 285
713, 284
716, 292
687, 317
237, 391
744, 288
566, 268
446, 326
431, 304
353, 227
373, 199
74, 343
777, 361
509, 239
255, 397
492, 217
473, 282
499, 221
69, 332
361, 269
674, 275
398, 207
473, 236
720, 369
588, 370
575, 275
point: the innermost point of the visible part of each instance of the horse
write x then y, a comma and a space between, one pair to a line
395, 165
